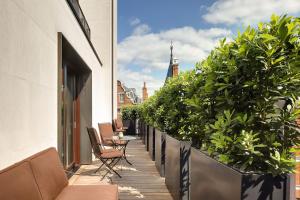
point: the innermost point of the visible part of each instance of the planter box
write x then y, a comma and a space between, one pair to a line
142, 131
151, 143
146, 137
160, 151
211, 180
130, 124
177, 167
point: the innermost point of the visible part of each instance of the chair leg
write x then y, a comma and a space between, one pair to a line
99, 167
110, 166
118, 160
107, 170
113, 163
102, 160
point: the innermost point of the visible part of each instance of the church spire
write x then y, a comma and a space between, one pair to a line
174, 65
171, 57
145, 92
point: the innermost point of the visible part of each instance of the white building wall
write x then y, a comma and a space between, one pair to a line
28, 74
102, 18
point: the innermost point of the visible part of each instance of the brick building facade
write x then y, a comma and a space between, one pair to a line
126, 96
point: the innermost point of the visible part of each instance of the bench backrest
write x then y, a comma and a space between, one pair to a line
49, 173
39, 177
18, 182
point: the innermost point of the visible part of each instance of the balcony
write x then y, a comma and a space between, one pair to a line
139, 181
183, 172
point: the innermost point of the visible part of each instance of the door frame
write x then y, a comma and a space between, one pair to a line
75, 119
67, 54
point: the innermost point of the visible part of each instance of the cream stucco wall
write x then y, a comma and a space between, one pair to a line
28, 74
102, 18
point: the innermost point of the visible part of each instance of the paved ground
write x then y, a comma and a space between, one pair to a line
139, 181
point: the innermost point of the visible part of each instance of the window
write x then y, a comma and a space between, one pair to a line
121, 98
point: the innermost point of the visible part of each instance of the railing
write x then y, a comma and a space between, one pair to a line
74, 5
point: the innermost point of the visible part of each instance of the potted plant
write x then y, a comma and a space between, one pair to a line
129, 116
246, 102
239, 109
165, 111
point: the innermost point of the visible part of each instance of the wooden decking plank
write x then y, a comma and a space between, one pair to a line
139, 181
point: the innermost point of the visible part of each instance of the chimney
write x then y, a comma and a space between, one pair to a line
145, 92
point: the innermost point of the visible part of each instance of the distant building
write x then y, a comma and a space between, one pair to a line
126, 96
173, 69
145, 92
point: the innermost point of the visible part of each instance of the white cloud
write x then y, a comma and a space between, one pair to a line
134, 21
248, 12
150, 52
135, 79
141, 29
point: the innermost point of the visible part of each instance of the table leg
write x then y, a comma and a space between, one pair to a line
124, 152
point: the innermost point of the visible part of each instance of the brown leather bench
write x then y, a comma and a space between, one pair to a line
41, 177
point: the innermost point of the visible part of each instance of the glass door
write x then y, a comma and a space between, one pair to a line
69, 125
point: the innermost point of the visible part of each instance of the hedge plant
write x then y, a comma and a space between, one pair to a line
245, 82
240, 104
130, 112
167, 109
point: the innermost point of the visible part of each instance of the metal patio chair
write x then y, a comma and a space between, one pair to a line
107, 133
108, 157
118, 125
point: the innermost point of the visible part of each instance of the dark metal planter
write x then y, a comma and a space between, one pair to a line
147, 137
160, 151
151, 142
144, 127
130, 124
211, 180
142, 131
177, 167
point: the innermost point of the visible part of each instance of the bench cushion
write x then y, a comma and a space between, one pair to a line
17, 182
49, 173
89, 192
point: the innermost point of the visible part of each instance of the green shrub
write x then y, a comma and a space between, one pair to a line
239, 104
241, 122
171, 110
166, 109
130, 112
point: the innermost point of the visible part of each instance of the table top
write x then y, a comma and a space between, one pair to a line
127, 138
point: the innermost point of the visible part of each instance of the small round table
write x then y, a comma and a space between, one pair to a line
126, 139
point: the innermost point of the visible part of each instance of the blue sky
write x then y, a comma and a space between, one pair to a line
146, 27
160, 15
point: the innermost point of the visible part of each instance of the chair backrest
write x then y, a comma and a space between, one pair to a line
95, 141
118, 123
106, 131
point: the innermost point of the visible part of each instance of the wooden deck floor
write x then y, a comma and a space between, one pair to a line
139, 181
